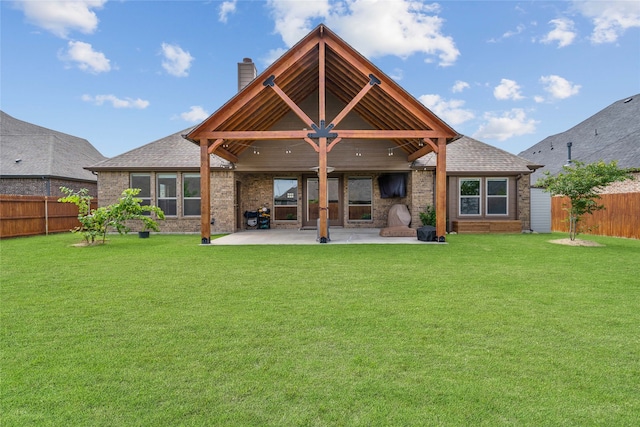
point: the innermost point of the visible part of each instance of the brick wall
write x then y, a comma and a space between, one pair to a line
422, 185
43, 187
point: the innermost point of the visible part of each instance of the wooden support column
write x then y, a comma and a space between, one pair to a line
441, 188
205, 192
323, 232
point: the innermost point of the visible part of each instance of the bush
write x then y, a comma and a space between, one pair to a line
428, 216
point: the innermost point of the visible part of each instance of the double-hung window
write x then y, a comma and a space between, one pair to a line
360, 198
166, 193
191, 194
497, 191
470, 196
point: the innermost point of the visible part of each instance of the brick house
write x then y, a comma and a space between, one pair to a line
321, 138
37, 161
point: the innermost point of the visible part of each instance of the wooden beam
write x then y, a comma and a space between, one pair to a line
312, 143
333, 143
441, 188
297, 110
227, 155
215, 145
389, 134
205, 192
423, 151
254, 88
351, 104
256, 135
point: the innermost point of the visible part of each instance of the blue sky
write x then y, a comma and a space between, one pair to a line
124, 73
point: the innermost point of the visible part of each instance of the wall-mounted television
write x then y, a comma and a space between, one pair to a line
392, 185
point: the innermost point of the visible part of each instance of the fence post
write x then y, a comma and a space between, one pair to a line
46, 216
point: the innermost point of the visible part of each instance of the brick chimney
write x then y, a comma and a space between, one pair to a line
246, 73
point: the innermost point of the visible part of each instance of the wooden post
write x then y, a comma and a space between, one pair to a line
323, 232
205, 192
441, 188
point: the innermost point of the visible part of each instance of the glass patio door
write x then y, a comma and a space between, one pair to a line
312, 207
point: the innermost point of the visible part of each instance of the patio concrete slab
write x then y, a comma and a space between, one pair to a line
338, 236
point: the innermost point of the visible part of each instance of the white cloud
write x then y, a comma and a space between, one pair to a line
374, 28
397, 74
226, 8
519, 29
176, 61
61, 17
116, 102
559, 87
507, 89
450, 111
610, 18
563, 33
459, 86
195, 114
508, 125
86, 58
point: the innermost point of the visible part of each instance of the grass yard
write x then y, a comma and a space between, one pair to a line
487, 330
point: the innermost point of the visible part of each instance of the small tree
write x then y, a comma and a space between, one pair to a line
95, 222
581, 183
129, 208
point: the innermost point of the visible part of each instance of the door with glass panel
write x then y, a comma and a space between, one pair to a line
311, 201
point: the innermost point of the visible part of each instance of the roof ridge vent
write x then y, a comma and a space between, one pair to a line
628, 100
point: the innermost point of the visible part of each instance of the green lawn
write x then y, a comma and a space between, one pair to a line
483, 331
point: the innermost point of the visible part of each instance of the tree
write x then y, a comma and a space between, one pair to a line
581, 184
95, 222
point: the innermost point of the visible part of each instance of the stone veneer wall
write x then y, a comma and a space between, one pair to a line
422, 186
38, 186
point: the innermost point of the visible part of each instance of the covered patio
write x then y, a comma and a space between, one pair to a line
338, 236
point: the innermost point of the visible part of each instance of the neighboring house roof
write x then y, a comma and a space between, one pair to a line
172, 152
467, 155
28, 150
611, 134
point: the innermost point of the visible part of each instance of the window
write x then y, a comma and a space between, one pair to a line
166, 193
285, 199
497, 196
360, 199
191, 194
143, 182
470, 196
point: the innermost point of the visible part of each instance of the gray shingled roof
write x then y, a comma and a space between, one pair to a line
467, 155
43, 152
611, 134
172, 152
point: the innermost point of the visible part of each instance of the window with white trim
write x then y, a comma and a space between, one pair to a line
166, 193
497, 196
191, 194
360, 198
470, 196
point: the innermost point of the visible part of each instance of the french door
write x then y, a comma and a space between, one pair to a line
311, 201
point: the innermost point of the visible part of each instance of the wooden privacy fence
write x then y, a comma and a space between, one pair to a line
33, 215
620, 218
